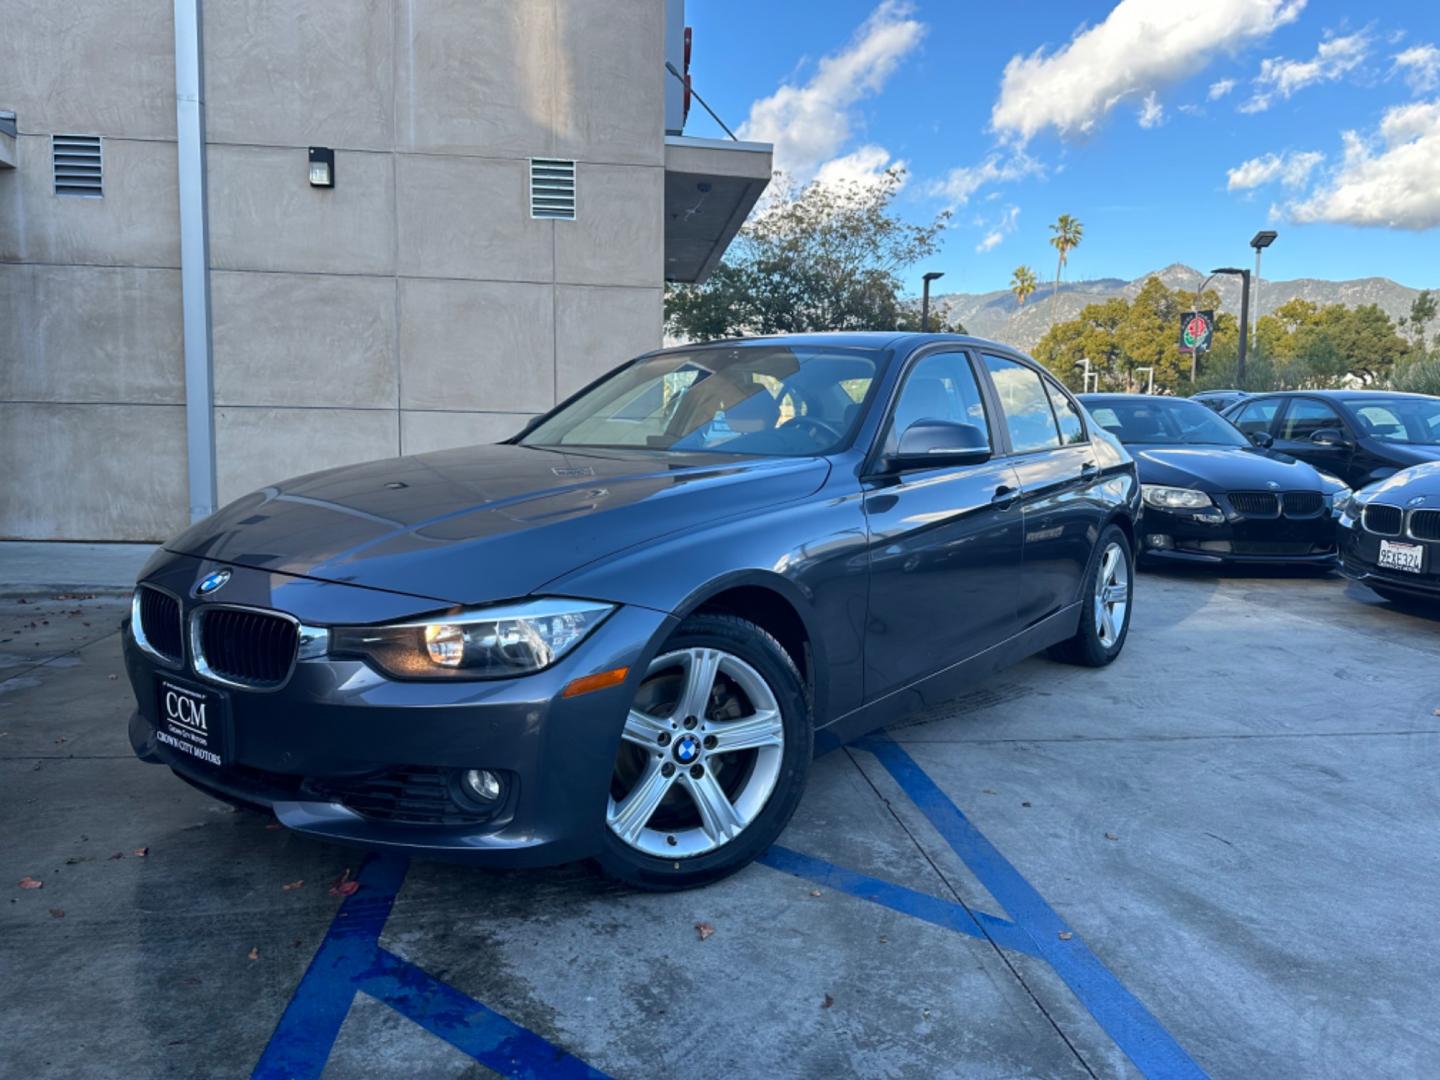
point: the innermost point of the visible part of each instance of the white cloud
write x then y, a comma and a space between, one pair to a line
810, 124
959, 184
1292, 170
1420, 65
1389, 180
1220, 89
1280, 77
1152, 113
863, 166
1002, 228
1142, 46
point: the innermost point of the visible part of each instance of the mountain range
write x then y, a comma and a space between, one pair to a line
996, 315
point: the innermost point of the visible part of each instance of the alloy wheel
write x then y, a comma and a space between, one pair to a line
699, 757
1112, 595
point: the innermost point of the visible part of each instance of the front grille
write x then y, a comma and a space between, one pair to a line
160, 623
1255, 503
1383, 520
1303, 503
416, 795
1425, 524
250, 647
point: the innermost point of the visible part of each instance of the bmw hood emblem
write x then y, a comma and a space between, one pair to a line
687, 749
1418, 500
213, 582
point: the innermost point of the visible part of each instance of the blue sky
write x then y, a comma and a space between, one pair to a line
1173, 129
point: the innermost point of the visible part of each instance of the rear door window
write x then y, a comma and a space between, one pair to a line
1026, 405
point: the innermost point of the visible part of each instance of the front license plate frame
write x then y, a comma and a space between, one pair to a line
192, 721
1407, 558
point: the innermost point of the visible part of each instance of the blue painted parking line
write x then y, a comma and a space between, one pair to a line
350, 960
931, 909
1141, 1037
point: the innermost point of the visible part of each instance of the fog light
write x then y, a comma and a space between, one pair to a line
481, 783
1159, 540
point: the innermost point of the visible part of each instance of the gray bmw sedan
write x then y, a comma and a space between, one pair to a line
623, 633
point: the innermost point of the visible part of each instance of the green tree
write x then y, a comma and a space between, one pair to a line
820, 257
940, 321
1068, 234
1023, 284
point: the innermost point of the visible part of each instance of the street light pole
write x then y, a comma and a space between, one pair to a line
1260, 241
1244, 276
925, 299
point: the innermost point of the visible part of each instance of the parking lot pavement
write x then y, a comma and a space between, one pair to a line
1218, 855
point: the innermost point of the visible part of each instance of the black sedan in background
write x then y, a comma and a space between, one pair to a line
1390, 535
621, 633
1361, 436
1211, 496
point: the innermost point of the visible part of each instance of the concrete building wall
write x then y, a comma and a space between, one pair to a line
414, 306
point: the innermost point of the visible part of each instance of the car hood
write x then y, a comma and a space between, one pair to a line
485, 523
1419, 481
1226, 468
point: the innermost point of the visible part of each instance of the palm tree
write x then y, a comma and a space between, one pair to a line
1068, 233
1023, 284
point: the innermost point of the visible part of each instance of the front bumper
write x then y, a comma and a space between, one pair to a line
1359, 561
1235, 539
344, 753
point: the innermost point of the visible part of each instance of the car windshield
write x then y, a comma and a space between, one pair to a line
1399, 420
790, 401
1172, 422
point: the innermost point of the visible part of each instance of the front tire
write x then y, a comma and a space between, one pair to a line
1105, 620
713, 759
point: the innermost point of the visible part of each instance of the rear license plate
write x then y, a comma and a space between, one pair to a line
192, 721
1407, 557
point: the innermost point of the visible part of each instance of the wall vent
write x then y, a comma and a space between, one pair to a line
76, 161
552, 189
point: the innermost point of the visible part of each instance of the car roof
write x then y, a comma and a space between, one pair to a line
1131, 397
905, 340
1341, 395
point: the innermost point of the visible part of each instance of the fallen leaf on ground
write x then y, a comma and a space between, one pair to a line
814, 892
254, 953
1024, 804
142, 851
295, 944
112, 678
1066, 935
31, 883
1111, 836
1437, 712
988, 791
117, 855
292, 885
829, 1001
343, 886
704, 929
57, 913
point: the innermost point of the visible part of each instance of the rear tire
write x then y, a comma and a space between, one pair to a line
1105, 614
684, 811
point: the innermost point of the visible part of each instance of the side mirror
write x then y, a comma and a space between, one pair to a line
932, 444
1332, 437
1263, 439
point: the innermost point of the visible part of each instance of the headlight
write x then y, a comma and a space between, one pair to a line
484, 643
1343, 500
1174, 498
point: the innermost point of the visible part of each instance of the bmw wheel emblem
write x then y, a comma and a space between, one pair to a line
687, 749
212, 583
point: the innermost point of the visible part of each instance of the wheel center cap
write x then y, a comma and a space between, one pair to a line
687, 749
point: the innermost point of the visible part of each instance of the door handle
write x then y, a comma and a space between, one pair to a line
1005, 497
1088, 470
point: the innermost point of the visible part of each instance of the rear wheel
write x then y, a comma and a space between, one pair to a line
713, 758
1105, 620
